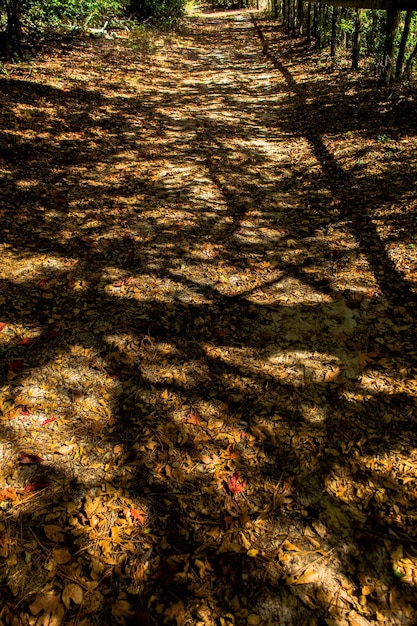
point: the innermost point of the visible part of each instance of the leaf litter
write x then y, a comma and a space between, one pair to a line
207, 338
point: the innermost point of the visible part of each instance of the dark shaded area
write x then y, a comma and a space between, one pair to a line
48, 208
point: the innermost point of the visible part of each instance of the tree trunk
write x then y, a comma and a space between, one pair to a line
403, 45
300, 16
316, 32
308, 26
13, 31
393, 18
333, 41
410, 60
356, 41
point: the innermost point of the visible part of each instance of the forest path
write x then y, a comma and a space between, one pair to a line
208, 391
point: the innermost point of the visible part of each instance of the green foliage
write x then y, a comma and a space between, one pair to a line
142, 39
41, 13
161, 12
230, 4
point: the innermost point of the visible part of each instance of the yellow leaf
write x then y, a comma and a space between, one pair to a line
72, 592
320, 528
309, 576
287, 545
252, 552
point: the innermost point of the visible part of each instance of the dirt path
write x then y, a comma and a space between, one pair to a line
208, 354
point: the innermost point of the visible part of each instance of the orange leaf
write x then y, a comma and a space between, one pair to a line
137, 516
192, 418
9, 493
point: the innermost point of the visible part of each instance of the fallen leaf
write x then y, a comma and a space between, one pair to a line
62, 556
16, 366
27, 341
137, 516
309, 576
192, 418
54, 533
37, 483
50, 609
234, 483
9, 493
72, 592
49, 420
29, 459
176, 612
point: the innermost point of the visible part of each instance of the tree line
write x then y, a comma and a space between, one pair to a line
25, 20
386, 39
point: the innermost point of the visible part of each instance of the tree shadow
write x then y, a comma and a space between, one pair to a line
191, 293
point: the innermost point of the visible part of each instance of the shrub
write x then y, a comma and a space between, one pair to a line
161, 12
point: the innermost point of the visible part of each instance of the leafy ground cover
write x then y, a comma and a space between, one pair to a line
208, 355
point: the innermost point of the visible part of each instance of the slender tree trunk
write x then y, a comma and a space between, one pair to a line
293, 13
13, 32
410, 61
308, 26
333, 41
403, 45
300, 16
393, 18
316, 33
356, 40
284, 11
372, 33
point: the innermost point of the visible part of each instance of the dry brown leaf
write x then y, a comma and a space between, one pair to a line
61, 555
54, 533
72, 592
176, 612
49, 610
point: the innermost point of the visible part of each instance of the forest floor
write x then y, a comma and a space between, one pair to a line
208, 355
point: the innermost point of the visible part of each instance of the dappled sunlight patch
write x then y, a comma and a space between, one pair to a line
208, 394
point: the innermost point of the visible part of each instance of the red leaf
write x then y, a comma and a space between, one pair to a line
25, 412
192, 418
42, 282
27, 341
220, 332
137, 516
235, 485
48, 421
2, 326
29, 459
53, 331
16, 366
38, 483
